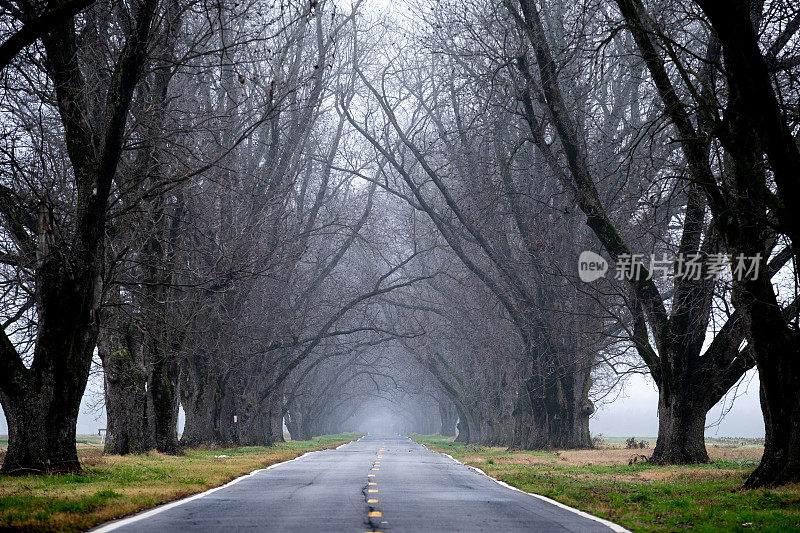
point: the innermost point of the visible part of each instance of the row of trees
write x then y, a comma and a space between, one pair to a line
289, 212
170, 203
528, 131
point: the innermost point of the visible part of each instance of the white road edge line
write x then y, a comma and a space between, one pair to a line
120, 522
614, 527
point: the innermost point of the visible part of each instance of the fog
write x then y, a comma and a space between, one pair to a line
633, 413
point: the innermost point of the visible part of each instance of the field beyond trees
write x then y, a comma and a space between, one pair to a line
642, 496
114, 486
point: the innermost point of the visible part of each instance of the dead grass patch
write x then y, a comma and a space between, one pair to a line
612, 456
746, 453
660, 474
609, 455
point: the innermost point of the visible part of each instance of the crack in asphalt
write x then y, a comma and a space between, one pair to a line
372, 523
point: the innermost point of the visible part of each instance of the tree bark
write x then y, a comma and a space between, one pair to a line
465, 424
776, 347
202, 397
681, 428
297, 422
448, 417
41, 428
202, 421
548, 416
163, 392
125, 379
780, 404
276, 410
264, 424
553, 406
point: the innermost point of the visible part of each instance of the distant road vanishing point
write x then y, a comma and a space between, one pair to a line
378, 483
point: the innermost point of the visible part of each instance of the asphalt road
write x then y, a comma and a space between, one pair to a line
378, 483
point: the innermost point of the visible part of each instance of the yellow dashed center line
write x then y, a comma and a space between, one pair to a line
376, 466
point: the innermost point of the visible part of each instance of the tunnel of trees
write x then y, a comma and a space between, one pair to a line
300, 213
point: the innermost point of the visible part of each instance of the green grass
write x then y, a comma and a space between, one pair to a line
641, 497
80, 439
88, 439
115, 486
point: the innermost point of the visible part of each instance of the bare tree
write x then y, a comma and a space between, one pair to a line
60, 240
749, 196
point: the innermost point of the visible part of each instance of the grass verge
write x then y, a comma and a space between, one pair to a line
640, 496
115, 486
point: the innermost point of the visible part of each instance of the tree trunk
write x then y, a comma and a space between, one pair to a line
553, 409
275, 402
205, 403
41, 431
263, 424
756, 125
681, 428
126, 404
202, 424
448, 416
776, 346
297, 423
41, 403
165, 403
303, 432
254, 428
125, 381
780, 403
463, 425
